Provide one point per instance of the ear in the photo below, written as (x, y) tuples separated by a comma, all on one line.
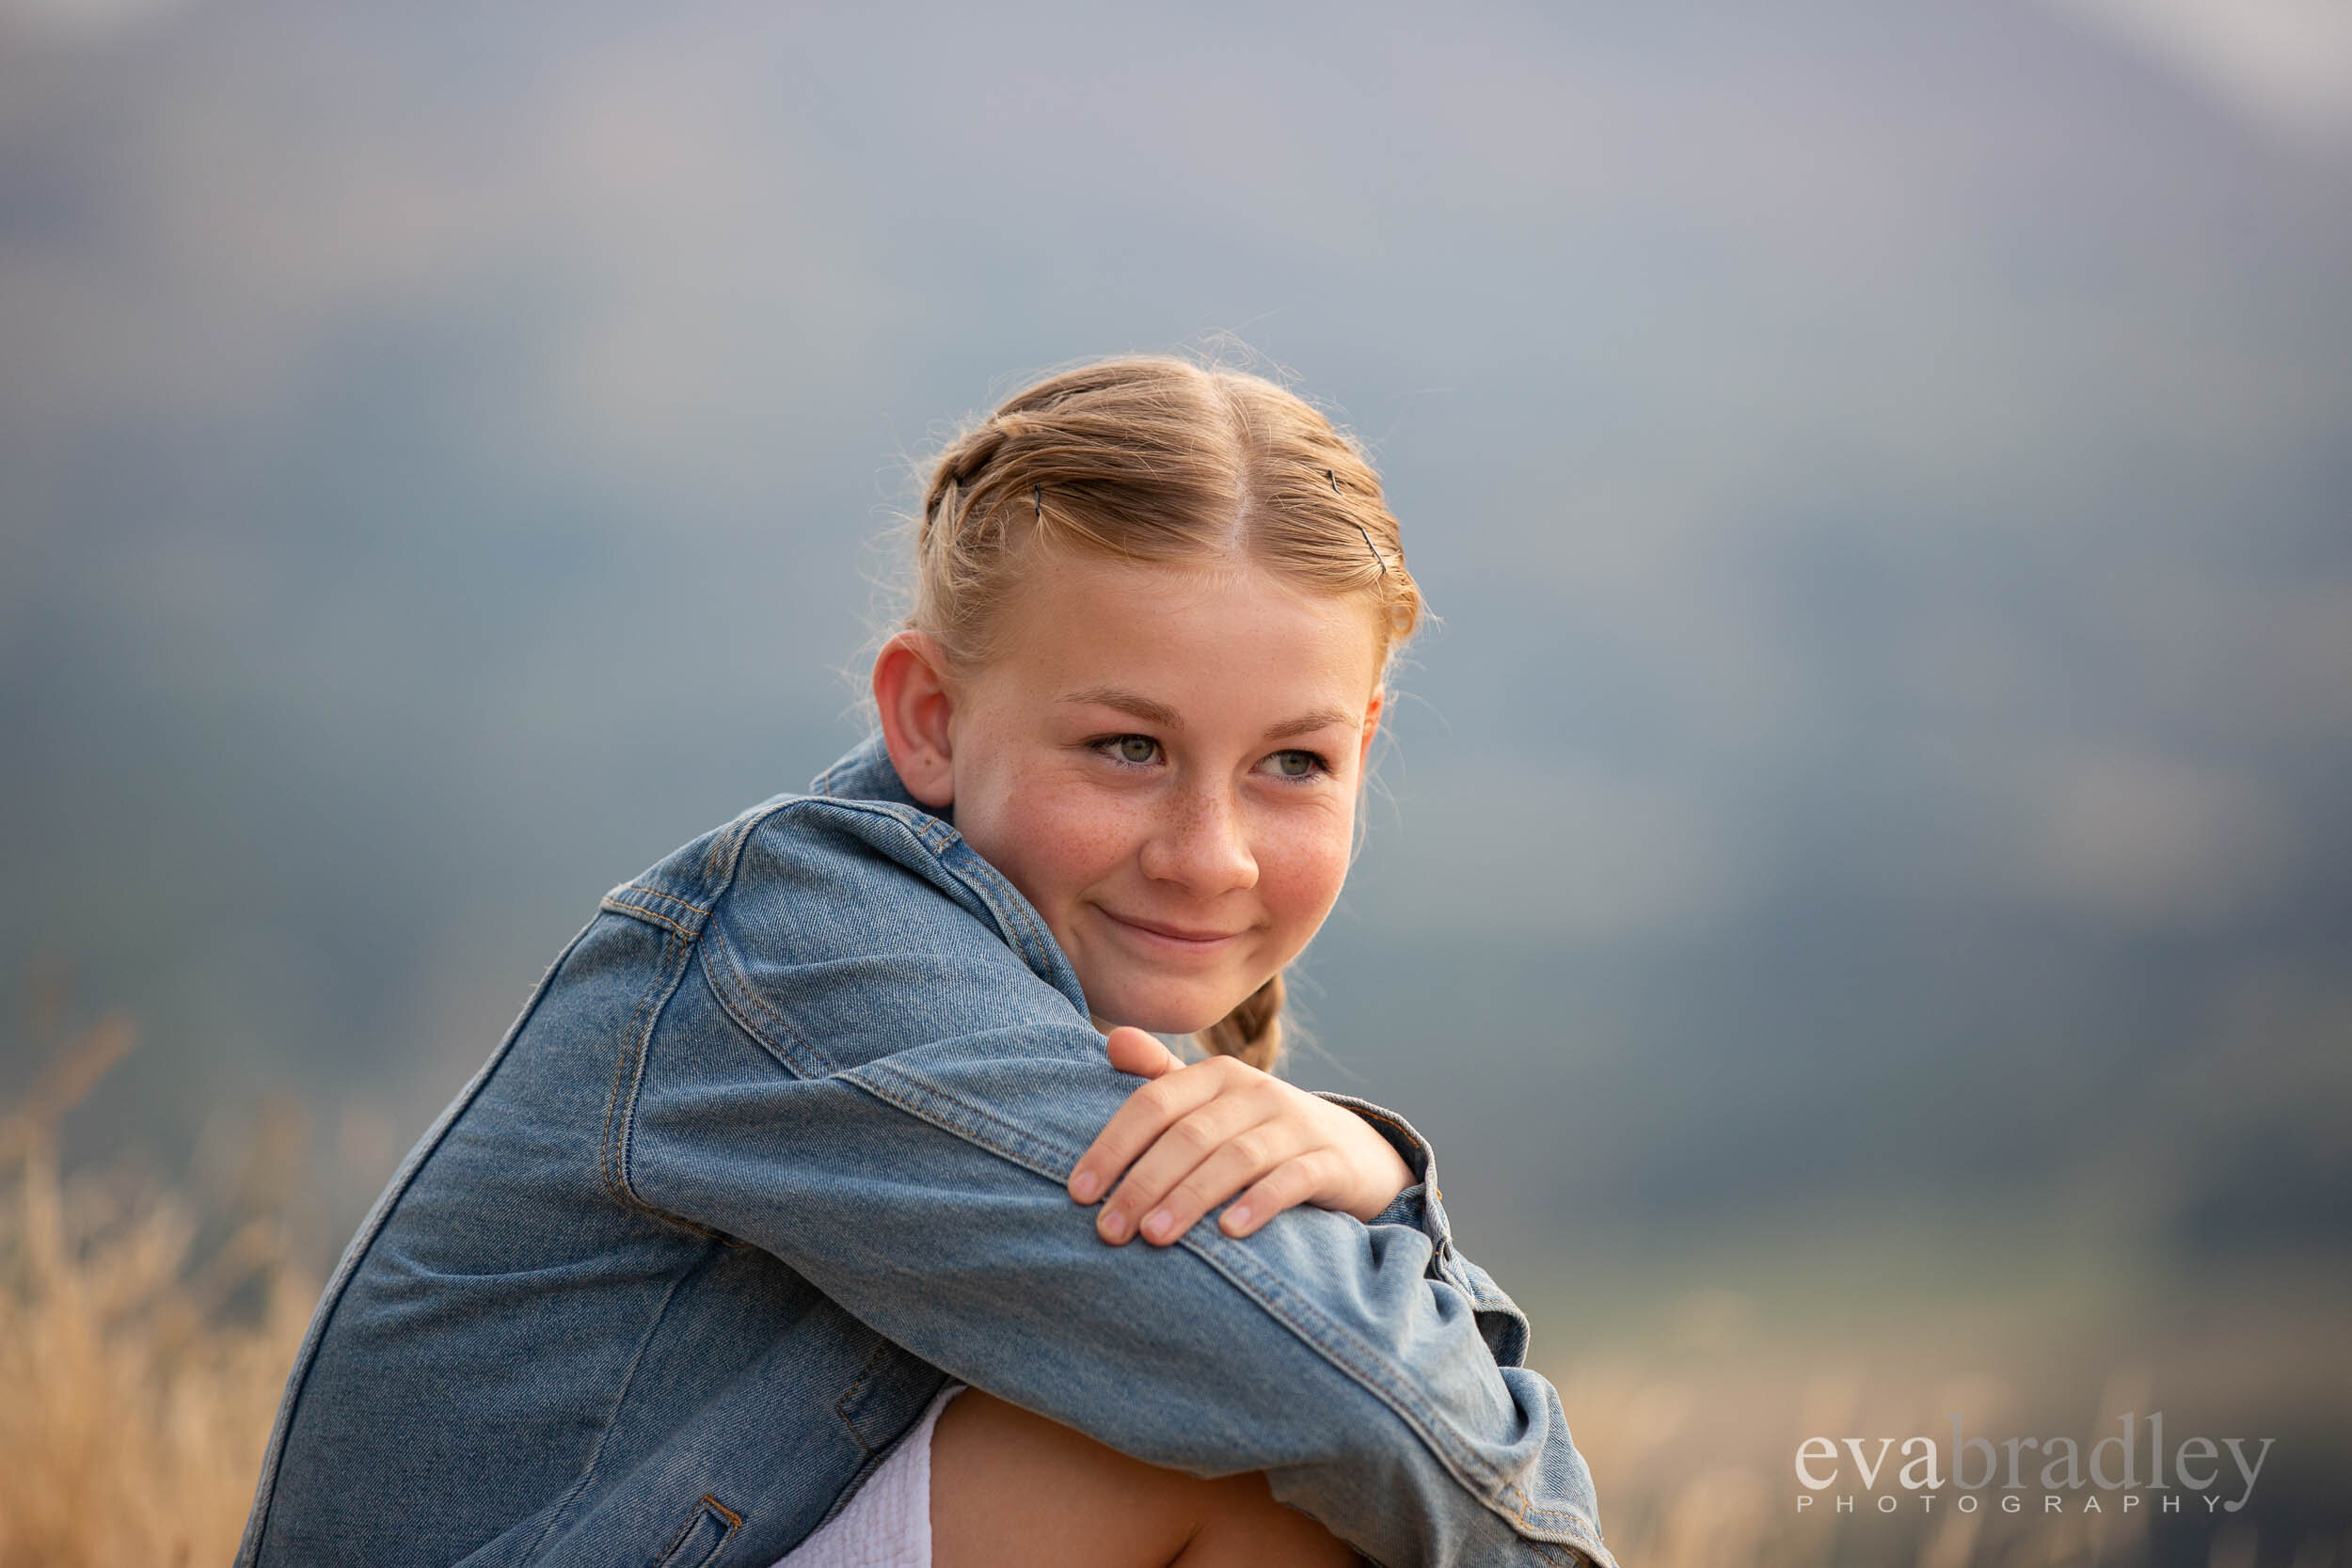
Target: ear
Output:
[(913, 695), (1372, 725)]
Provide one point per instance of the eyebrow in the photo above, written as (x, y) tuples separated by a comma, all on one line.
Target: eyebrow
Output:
[(1161, 714)]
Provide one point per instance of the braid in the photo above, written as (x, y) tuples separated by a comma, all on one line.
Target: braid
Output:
[(1252, 1031)]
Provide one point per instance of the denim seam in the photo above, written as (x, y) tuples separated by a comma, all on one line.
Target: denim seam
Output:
[(733, 991), (330, 1299), (620, 1399), (631, 1047), (653, 917), (628, 1065), (1364, 1366), (705, 1504), (865, 1375), (849, 1490), (722, 866), (1492, 1488), (725, 858), (614, 898), (947, 838), (931, 834), (1028, 939), (726, 850), (1010, 918), (1054, 1164)]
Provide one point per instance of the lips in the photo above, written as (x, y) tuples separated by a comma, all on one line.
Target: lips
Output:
[(1166, 932)]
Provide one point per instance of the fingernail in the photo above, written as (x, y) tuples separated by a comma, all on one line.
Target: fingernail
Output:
[(1114, 1227), (1159, 1224), (1085, 1186), (1237, 1217)]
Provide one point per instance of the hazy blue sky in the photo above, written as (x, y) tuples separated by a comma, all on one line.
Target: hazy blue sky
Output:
[(1885, 473)]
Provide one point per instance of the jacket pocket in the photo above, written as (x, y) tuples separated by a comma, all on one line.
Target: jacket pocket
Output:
[(698, 1540)]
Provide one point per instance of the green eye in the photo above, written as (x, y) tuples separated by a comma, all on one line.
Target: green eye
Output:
[(1136, 748), (1295, 765)]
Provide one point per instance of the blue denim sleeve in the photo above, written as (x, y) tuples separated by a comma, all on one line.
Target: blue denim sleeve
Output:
[(871, 1068), (1420, 1206)]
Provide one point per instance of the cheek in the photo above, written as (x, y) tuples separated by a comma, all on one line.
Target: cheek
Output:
[(1300, 870), (1054, 844)]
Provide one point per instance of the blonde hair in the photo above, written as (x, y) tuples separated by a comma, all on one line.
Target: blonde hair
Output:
[(1154, 458)]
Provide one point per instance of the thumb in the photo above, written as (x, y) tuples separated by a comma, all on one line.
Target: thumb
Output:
[(1134, 1050)]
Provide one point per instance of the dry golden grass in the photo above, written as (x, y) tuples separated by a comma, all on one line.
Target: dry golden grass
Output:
[(138, 1401), (141, 1381), (1692, 1436)]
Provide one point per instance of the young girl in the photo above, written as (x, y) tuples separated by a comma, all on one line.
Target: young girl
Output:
[(817, 1122)]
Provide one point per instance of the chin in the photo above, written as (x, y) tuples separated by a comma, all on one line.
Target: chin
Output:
[(1165, 1009)]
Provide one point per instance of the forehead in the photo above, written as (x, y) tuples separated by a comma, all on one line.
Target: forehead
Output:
[(1228, 634)]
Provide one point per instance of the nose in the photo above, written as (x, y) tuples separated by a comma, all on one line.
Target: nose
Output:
[(1202, 844)]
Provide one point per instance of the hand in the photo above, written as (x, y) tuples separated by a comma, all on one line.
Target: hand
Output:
[(1196, 1135)]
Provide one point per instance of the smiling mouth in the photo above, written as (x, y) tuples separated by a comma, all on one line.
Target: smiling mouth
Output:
[(1172, 933)]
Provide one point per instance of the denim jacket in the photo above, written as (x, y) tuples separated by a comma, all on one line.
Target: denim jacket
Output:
[(778, 1145)]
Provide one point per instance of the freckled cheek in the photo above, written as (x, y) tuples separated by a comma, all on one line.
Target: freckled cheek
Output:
[(1071, 844), (1299, 875)]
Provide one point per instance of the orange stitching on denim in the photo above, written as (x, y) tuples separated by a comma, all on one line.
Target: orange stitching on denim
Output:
[(1011, 907), (665, 898), (629, 1047), (656, 917), (609, 1174), (1336, 1344), (678, 1540), (1525, 1510), (1376, 1114), (948, 839), (865, 1375), (1333, 1343), (716, 943), (706, 1503), (1341, 1347), (863, 1077)]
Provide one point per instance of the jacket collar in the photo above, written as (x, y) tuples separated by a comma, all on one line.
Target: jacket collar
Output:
[(865, 773)]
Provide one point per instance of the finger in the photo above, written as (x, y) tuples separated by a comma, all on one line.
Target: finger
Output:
[(1246, 1157), (1295, 1181), (1133, 1050), (1145, 1115), (1174, 1155)]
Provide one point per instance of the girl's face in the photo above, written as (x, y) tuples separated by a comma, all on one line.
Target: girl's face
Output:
[(1164, 761)]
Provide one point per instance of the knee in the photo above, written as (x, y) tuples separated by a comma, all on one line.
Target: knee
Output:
[(1012, 1487), (1240, 1525)]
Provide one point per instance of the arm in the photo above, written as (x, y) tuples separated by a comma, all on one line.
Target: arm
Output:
[(1222, 1132), (1393, 1183), (885, 1092)]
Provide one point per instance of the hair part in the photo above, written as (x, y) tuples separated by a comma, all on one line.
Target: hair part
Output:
[(1156, 458)]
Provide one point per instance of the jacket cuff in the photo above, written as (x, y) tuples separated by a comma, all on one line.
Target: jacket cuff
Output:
[(1418, 1204), (1501, 1321)]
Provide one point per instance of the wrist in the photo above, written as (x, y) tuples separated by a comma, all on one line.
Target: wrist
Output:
[(1383, 1175)]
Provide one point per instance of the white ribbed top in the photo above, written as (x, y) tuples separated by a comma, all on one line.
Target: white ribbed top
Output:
[(888, 1524)]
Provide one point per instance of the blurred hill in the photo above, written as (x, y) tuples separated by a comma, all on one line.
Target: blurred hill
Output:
[(1883, 474)]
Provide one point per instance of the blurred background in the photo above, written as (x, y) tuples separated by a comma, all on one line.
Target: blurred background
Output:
[(1860, 895)]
